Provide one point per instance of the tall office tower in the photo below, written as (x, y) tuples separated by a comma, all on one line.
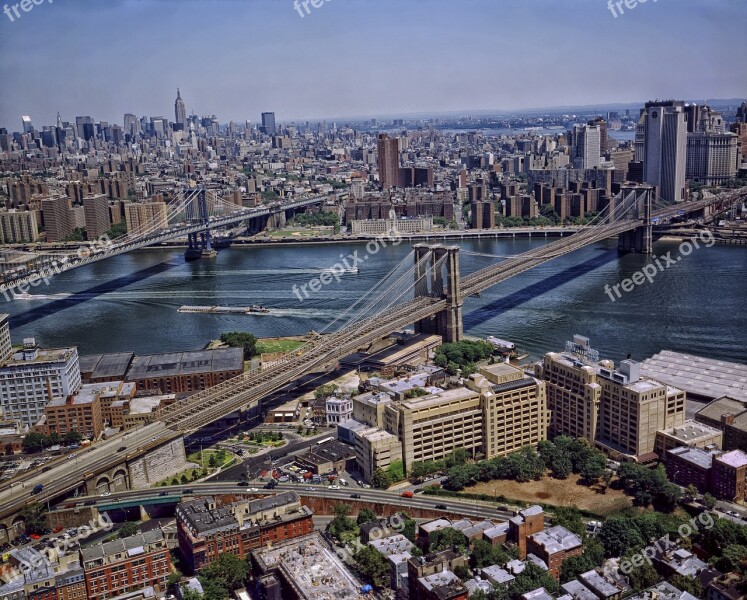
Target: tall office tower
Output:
[(268, 123), (388, 161), (180, 112), (712, 153), (586, 146), (131, 125), (742, 113), (665, 148), (85, 128), (96, 210), (159, 126), (603, 138), (28, 127), (58, 221)]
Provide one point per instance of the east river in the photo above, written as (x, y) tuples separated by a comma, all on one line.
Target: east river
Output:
[(130, 302)]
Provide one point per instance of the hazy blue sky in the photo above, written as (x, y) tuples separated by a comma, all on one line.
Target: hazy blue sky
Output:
[(236, 58)]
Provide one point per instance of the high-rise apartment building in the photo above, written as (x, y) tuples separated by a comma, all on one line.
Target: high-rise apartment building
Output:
[(388, 161), (18, 226), (145, 217), (180, 112), (32, 377), (96, 210), (665, 148), (483, 215), (5, 344), (58, 218), (268, 123)]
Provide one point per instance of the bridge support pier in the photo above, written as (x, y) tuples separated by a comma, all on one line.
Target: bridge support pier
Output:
[(437, 276), (640, 239), (199, 245)]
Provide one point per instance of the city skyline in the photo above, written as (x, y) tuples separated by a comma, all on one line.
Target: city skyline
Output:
[(357, 70)]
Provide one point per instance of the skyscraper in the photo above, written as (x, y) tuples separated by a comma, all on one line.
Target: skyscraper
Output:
[(268, 123), (388, 161), (665, 148), (180, 112), (586, 142), (28, 127), (711, 152)]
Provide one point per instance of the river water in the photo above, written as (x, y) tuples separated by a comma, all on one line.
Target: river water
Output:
[(129, 303)]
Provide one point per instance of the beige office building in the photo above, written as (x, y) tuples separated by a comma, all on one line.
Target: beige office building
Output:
[(145, 217), (430, 427), (573, 395), (369, 408), (514, 409), (618, 410), (634, 409), (375, 449), (18, 226)]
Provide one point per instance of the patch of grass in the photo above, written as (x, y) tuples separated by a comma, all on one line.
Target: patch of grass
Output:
[(268, 346)]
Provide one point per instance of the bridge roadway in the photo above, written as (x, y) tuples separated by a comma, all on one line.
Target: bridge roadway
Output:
[(95, 254), (460, 506), (233, 395)]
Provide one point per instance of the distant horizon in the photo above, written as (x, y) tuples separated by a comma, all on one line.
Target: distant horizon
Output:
[(549, 110), (358, 59)]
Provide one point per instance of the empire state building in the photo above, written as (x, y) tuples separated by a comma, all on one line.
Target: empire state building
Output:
[(180, 112)]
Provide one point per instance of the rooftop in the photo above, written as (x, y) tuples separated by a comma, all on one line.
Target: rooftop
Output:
[(186, 363), (106, 366), (556, 539), (705, 377), (131, 546), (690, 431), (735, 458), (696, 456)]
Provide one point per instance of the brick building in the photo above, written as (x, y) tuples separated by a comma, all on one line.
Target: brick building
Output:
[(728, 476), (553, 546), (524, 523), (687, 466), (126, 565), (207, 529)]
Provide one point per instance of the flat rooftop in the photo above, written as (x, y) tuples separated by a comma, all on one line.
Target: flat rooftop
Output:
[(695, 456), (735, 458), (311, 568), (186, 363), (111, 367), (704, 377), (690, 431)]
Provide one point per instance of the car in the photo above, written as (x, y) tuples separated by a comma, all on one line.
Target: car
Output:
[(355, 496), (253, 490), (163, 494), (334, 487), (104, 494), (441, 506), (57, 529), (121, 448), (309, 489), (188, 492), (242, 484), (89, 503)]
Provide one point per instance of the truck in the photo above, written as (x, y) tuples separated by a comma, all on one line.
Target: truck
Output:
[(37, 489)]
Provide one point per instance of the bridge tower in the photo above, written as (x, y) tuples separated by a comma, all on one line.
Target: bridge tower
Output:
[(640, 239), (199, 242), (441, 282)]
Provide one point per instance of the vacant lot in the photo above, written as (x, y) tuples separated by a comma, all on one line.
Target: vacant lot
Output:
[(558, 492)]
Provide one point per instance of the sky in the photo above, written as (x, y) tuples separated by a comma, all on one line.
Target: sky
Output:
[(356, 58)]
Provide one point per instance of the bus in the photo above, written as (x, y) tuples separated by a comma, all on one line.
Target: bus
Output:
[(325, 440)]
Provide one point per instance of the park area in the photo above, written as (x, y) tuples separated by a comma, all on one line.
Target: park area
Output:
[(557, 492)]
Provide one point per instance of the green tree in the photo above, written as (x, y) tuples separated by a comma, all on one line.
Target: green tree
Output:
[(212, 589), (709, 501), (641, 577), (35, 518), (688, 584), (733, 558), (395, 471), (34, 442), (380, 479), (593, 468), (128, 529), (228, 571), (410, 527), (365, 516), (531, 578), (373, 565), (691, 492), (238, 339), (212, 461), (342, 527), (184, 479), (448, 538), (617, 536), (72, 437), (325, 391), (570, 518)]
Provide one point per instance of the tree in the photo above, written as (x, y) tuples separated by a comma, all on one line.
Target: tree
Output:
[(463, 572), (593, 468), (396, 471), (238, 339), (641, 577), (709, 501), (570, 518), (184, 478), (531, 578), (128, 529), (688, 584), (342, 527), (691, 492), (373, 565), (365, 516), (228, 570), (448, 538), (561, 466), (483, 554), (380, 479), (617, 536), (212, 461), (733, 558), (34, 442), (35, 518), (72, 437), (212, 590)]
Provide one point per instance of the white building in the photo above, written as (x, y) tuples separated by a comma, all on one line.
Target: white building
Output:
[(338, 410), (31, 377)]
